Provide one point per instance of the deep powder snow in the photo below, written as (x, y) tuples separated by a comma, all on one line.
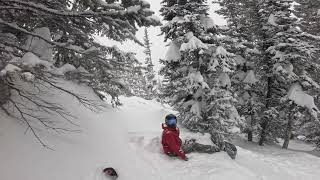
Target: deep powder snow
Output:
[(128, 139)]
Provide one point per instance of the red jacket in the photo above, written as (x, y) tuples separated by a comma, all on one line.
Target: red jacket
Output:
[(171, 142)]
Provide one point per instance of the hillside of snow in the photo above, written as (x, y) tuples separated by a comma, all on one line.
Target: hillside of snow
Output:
[(128, 139)]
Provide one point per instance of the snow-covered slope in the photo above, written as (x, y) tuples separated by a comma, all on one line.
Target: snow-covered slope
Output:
[(128, 139)]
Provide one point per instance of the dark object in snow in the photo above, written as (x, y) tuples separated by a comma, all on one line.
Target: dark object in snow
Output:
[(109, 171), (217, 139), (190, 145), (230, 149), (188, 98)]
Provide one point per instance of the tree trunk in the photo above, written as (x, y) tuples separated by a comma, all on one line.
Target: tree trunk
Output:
[(289, 129), (263, 132), (250, 136), (265, 122), (4, 92), (253, 123), (288, 134)]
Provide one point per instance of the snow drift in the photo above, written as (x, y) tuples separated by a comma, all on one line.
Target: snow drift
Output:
[(128, 139)]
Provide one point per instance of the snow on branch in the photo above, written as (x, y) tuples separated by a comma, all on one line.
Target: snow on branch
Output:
[(66, 46), (62, 45), (299, 97), (173, 53), (108, 16), (9, 69), (308, 35), (34, 7), (193, 43)]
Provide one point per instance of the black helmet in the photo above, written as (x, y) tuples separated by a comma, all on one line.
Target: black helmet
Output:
[(171, 120)]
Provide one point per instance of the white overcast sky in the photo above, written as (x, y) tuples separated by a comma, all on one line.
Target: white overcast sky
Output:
[(158, 48)]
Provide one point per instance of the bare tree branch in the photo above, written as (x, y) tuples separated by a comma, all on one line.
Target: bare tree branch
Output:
[(87, 103), (23, 118)]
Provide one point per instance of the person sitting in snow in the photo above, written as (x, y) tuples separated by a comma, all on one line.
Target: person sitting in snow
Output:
[(171, 141), (172, 144)]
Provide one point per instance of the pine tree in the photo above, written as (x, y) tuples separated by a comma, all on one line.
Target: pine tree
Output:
[(243, 30), (150, 74), (133, 77), (286, 58), (309, 15), (290, 57), (196, 68)]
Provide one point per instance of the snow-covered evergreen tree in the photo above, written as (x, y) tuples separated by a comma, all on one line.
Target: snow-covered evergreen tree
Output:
[(150, 73), (290, 58), (271, 28), (308, 13), (133, 77), (241, 35), (197, 67)]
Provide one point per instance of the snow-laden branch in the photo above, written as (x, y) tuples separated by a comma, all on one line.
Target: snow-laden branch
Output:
[(56, 44), (107, 15), (62, 45), (308, 35), (87, 13)]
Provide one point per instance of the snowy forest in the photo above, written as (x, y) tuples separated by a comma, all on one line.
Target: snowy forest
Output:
[(71, 106)]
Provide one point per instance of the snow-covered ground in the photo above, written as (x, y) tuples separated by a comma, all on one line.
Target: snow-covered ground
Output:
[(128, 139)]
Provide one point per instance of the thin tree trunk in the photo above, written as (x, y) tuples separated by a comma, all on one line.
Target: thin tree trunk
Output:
[(289, 129), (265, 122), (263, 132), (288, 134), (250, 132), (250, 136), (4, 92)]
